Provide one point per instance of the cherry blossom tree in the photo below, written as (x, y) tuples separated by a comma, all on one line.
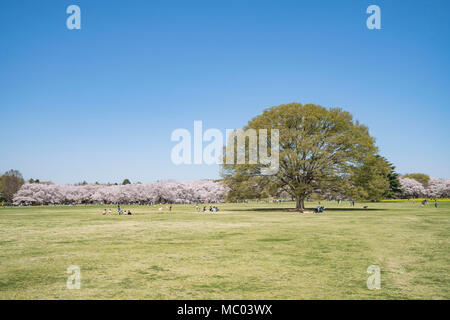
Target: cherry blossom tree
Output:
[(412, 188), (439, 188)]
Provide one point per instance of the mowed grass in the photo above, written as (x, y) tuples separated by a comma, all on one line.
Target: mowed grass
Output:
[(245, 251)]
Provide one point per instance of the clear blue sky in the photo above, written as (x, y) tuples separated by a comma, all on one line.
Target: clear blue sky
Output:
[(100, 103)]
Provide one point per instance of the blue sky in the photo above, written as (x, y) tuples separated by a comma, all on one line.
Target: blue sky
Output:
[(100, 103)]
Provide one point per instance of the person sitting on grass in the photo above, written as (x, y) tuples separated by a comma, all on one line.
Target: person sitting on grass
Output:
[(104, 212), (319, 209), (109, 211), (129, 212)]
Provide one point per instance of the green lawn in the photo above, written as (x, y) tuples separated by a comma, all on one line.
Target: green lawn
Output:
[(246, 251)]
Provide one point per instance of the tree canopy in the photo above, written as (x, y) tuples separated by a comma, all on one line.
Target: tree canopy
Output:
[(321, 151), (423, 178)]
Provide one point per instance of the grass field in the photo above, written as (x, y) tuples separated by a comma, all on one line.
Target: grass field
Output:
[(245, 251)]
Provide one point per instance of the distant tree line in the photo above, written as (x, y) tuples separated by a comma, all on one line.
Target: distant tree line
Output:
[(13, 189), (157, 192)]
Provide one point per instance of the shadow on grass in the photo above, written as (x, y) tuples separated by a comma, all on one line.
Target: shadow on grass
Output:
[(307, 209)]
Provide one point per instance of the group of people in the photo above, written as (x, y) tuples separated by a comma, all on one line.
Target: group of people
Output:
[(319, 209), (161, 208), (211, 209), (119, 210), (123, 212), (425, 201)]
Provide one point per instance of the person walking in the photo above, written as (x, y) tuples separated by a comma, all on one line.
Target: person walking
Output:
[(435, 203)]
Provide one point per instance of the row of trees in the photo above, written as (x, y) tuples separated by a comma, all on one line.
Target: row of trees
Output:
[(196, 191), (158, 192), (321, 153)]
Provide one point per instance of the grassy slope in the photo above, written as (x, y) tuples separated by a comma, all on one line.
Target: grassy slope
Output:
[(246, 251)]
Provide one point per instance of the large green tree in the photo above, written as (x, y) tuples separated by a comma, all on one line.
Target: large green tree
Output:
[(10, 183), (320, 150)]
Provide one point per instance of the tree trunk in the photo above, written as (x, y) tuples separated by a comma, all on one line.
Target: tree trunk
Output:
[(300, 204)]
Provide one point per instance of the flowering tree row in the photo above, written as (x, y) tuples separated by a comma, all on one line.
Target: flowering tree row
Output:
[(435, 188), (157, 192)]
